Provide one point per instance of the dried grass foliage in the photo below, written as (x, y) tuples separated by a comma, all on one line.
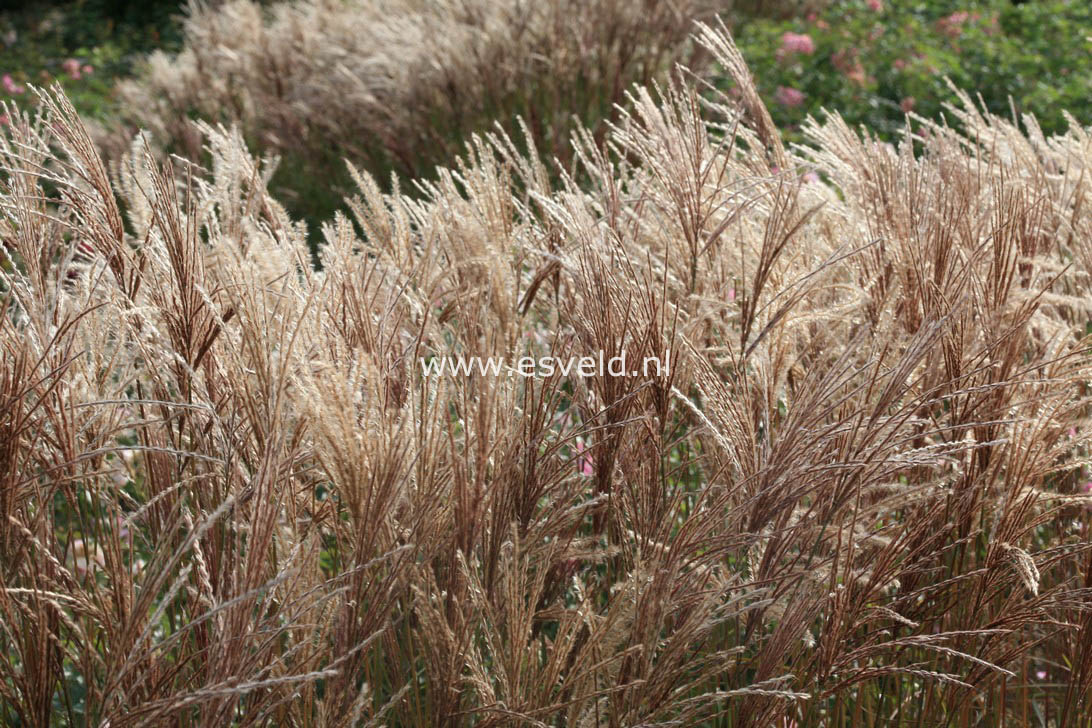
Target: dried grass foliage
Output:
[(228, 497), (399, 85)]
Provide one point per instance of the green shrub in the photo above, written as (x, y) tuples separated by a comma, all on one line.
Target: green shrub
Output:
[(85, 46), (872, 61)]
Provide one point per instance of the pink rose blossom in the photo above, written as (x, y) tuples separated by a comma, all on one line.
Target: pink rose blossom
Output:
[(952, 25), (72, 67), (875, 5), (85, 558), (841, 60), (122, 527), (847, 62), (88, 70), (796, 43), (790, 97), (584, 462), (10, 86)]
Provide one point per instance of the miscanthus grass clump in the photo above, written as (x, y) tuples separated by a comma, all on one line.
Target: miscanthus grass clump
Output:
[(398, 85), (857, 496)]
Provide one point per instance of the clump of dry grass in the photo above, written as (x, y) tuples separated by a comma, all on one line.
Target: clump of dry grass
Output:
[(228, 495), (397, 86)]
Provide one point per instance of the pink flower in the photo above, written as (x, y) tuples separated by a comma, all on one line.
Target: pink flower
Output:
[(731, 295), (952, 25), (847, 62), (790, 97), (72, 67), (122, 527), (899, 64), (907, 104), (1041, 674), (796, 43), (4, 120), (88, 70), (811, 177), (85, 558), (10, 86), (842, 59), (1087, 487), (584, 462), (875, 5)]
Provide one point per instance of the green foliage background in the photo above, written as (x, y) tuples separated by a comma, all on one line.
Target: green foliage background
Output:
[(110, 35), (1037, 53)]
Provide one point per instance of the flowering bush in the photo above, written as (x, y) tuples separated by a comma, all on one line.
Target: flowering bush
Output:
[(874, 62), (796, 43), (790, 97), (83, 46)]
